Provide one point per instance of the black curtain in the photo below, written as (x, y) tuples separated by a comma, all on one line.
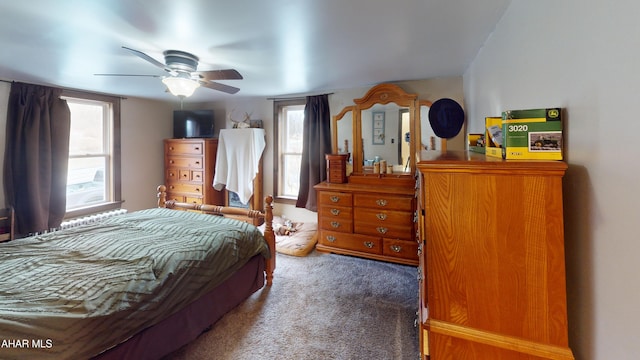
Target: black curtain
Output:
[(315, 144), (36, 156)]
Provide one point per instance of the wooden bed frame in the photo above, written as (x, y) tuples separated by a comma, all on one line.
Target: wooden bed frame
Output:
[(250, 215), (182, 327)]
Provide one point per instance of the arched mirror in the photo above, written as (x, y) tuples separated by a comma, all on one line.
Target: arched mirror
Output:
[(384, 120), (342, 134), (382, 125)]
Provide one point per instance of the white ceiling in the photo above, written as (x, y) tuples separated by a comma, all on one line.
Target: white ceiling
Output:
[(281, 47)]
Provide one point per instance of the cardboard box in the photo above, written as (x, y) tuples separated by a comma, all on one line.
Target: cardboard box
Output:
[(493, 136), (532, 134)]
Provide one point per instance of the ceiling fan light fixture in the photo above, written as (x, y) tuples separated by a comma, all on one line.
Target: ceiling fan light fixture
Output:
[(180, 86)]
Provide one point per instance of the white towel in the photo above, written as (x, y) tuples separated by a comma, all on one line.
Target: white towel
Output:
[(238, 160)]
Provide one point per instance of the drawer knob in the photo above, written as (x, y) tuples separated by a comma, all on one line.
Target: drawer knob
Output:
[(396, 248), (369, 244), (197, 147), (184, 175), (197, 189), (171, 161), (381, 216), (382, 230), (197, 162), (335, 199), (171, 148), (335, 211), (381, 202), (335, 224), (331, 238)]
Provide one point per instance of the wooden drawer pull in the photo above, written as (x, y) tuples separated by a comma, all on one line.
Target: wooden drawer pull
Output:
[(369, 244), (335, 198), (335, 224), (335, 211), (381, 202), (171, 148), (184, 175), (396, 248), (331, 238), (382, 230), (381, 216), (197, 148)]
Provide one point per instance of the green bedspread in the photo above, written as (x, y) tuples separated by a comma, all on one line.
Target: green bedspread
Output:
[(76, 292)]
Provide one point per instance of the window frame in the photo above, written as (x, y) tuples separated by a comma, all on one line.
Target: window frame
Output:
[(115, 154), (278, 107)]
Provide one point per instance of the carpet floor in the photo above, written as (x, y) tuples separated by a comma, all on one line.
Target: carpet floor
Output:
[(322, 306)]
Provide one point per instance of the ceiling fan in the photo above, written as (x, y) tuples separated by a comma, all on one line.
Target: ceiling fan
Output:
[(183, 75)]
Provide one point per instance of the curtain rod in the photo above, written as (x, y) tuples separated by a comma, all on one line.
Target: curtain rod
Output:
[(300, 97), (69, 89)]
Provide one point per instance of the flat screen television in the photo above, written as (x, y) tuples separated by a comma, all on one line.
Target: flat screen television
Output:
[(193, 124)]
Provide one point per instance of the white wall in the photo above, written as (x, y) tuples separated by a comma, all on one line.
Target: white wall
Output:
[(144, 123), (582, 56)]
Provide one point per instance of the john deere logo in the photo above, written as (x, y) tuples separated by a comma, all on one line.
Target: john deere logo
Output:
[(554, 113)]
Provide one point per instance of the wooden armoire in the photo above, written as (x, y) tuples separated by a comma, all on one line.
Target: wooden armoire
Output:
[(492, 261)]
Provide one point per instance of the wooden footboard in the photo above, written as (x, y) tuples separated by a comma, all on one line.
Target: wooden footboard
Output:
[(267, 216)]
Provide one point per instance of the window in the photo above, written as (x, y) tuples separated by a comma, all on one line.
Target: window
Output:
[(289, 123), (93, 176)]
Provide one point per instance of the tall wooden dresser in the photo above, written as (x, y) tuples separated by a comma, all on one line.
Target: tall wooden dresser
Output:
[(492, 264), (369, 220), (189, 169)]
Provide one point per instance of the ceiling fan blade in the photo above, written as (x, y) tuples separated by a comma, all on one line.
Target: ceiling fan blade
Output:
[(227, 74), (220, 87), (151, 60)]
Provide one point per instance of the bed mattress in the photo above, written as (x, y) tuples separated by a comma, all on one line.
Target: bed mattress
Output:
[(76, 292)]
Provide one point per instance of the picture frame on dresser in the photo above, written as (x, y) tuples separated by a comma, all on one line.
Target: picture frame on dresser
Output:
[(378, 128)]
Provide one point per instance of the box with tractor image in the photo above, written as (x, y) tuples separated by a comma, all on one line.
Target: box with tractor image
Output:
[(532, 134)]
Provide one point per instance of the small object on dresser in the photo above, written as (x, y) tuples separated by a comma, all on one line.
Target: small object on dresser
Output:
[(337, 168)]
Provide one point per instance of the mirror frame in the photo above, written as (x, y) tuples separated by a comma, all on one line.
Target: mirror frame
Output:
[(379, 94)]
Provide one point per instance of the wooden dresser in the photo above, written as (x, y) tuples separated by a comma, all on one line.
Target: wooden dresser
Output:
[(375, 222), (492, 264), (189, 168)]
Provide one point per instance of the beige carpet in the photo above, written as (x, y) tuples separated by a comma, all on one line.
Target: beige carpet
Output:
[(321, 306), (296, 239)]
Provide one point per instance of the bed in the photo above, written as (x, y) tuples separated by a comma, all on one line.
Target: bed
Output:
[(133, 286)]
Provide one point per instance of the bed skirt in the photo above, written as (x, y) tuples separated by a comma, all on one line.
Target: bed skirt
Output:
[(184, 326)]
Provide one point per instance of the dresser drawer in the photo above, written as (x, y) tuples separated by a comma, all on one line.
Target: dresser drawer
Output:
[(379, 217), (355, 242), (182, 147), (332, 198), (195, 189), (384, 230), (400, 249), (383, 201), (336, 224), (183, 162), (175, 197), (336, 212)]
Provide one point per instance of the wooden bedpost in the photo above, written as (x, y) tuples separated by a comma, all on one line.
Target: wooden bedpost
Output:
[(270, 236), (162, 196)]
